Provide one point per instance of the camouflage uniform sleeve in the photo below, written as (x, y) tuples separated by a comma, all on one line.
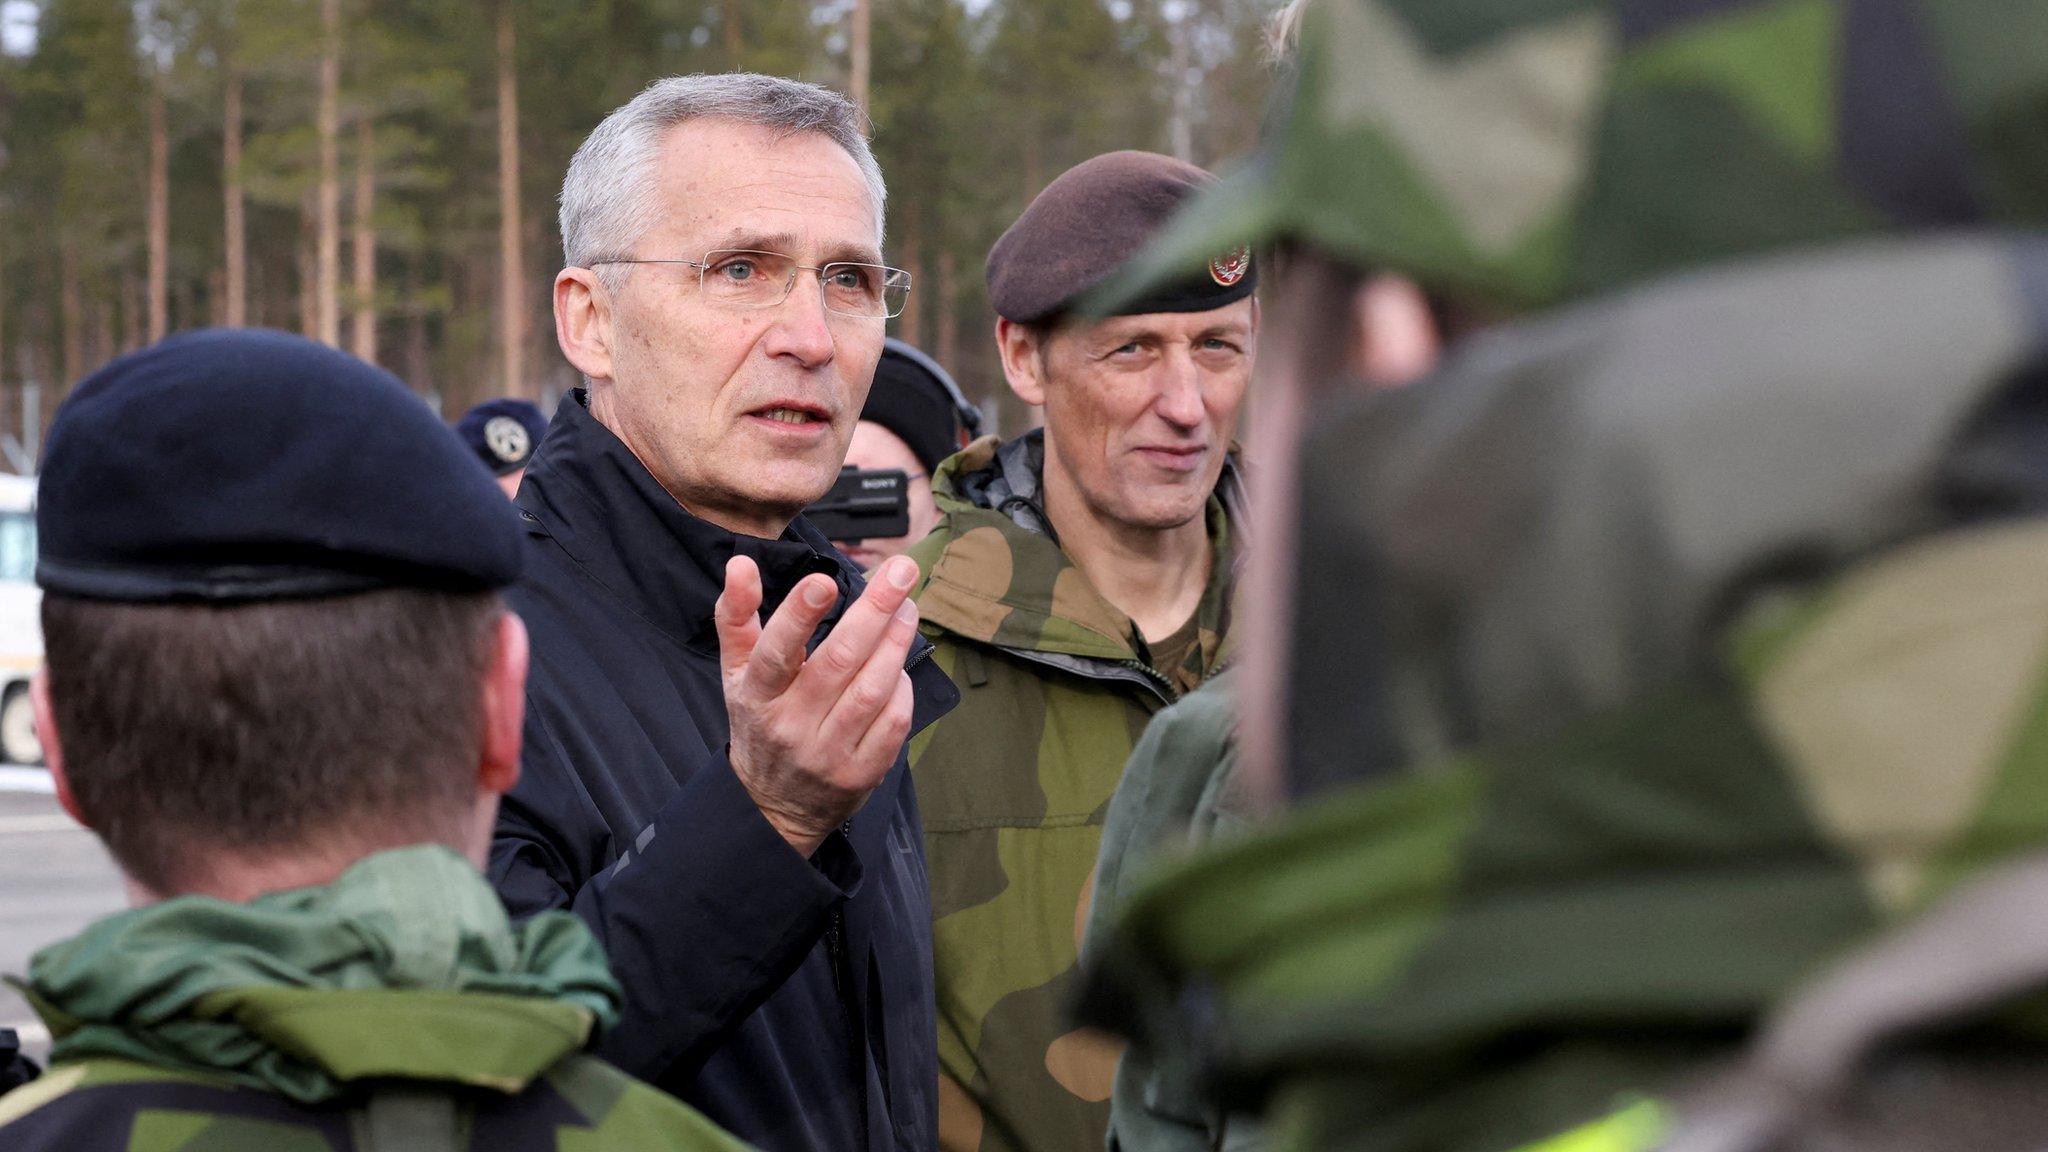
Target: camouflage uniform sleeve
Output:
[(1180, 789), (1179, 785)]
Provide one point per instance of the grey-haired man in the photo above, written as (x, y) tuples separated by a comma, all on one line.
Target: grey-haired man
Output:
[(725, 800)]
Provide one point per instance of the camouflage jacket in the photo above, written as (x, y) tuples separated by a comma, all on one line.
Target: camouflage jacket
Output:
[(1014, 785), (1180, 790), (1729, 655), (393, 1009)]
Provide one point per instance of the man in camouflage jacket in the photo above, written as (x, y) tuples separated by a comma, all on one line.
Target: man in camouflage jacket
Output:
[(1079, 581), (282, 689), (1674, 643)]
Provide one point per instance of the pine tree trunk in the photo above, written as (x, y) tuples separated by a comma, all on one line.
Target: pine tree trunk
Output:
[(135, 309), (106, 330), (71, 310), (236, 313), (159, 214), (946, 344), (910, 323), (363, 246), (857, 54), (309, 270), (512, 266), (734, 46), (4, 373), (327, 254)]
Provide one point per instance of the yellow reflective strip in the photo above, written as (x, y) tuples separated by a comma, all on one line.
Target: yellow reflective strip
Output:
[(39, 1092), (1640, 1127)]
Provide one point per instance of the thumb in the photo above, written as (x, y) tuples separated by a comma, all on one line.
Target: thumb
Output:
[(738, 616)]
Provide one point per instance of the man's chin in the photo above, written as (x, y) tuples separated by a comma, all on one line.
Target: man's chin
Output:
[(1164, 517)]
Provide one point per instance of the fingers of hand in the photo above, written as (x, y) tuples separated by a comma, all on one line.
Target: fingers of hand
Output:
[(877, 750), (864, 626), (869, 693), (778, 655), (737, 615)]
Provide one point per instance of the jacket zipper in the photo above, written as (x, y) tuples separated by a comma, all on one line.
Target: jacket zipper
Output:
[(835, 953), (1120, 671)]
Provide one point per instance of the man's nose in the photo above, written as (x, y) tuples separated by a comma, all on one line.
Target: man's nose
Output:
[(1180, 390), (802, 328)]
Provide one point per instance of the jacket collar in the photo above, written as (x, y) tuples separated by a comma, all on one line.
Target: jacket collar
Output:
[(994, 570), (410, 946), (588, 492)]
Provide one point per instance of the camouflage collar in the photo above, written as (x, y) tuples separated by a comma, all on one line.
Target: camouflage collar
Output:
[(405, 967), (994, 570)]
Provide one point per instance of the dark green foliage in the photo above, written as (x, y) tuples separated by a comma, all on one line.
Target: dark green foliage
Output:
[(976, 104)]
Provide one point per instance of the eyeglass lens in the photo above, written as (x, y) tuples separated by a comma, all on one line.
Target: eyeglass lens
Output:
[(745, 279)]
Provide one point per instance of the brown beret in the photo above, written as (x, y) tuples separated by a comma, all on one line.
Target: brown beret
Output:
[(1088, 223)]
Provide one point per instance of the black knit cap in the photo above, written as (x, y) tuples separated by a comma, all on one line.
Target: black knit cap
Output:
[(240, 465), (1091, 221), (909, 399)]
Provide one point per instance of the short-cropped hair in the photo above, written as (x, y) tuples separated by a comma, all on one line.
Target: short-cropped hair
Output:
[(264, 728), (610, 195)]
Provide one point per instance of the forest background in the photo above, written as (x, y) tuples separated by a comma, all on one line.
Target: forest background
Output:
[(382, 174)]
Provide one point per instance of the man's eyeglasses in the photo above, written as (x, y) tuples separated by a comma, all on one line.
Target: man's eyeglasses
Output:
[(737, 278)]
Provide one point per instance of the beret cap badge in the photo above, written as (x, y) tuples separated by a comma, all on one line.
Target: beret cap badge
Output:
[(507, 439), (1230, 267)]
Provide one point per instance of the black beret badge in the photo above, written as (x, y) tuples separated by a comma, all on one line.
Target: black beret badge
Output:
[(507, 439), (1231, 267)]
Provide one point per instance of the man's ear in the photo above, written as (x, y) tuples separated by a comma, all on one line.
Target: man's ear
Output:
[(1023, 360), (583, 321), (53, 746), (504, 708)]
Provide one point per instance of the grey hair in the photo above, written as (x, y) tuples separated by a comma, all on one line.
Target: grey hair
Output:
[(1283, 31), (609, 197)]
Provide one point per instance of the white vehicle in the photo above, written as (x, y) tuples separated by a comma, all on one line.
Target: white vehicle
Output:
[(21, 625)]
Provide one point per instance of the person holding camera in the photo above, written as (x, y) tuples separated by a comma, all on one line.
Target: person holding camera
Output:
[(914, 419)]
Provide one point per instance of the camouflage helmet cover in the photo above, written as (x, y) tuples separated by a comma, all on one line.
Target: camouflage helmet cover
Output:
[(1523, 152)]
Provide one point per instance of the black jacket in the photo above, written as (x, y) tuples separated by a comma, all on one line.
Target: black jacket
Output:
[(15, 1069), (756, 981)]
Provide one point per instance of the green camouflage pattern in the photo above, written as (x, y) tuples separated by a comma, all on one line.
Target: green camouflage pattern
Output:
[(579, 1104), (1180, 790), (1664, 650), (1013, 786), (286, 1022), (1519, 154)]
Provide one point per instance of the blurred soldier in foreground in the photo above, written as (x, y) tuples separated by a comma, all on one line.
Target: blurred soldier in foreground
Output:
[(284, 692), (503, 434), (914, 418), (1078, 583), (1675, 645)]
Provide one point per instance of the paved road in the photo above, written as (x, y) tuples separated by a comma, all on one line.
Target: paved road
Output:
[(54, 878)]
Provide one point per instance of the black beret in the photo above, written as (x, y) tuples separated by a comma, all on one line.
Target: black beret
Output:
[(236, 465), (502, 433), (909, 399), (1088, 224)]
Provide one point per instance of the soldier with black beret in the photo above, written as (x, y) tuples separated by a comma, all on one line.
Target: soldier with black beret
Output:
[(503, 433), (283, 690), (1079, 581)]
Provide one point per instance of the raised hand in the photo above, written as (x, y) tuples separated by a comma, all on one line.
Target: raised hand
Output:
[(813, 737)]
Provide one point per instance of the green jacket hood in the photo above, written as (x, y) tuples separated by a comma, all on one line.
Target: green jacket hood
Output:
[(405, 967), (1519, 154), (993, 570)]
